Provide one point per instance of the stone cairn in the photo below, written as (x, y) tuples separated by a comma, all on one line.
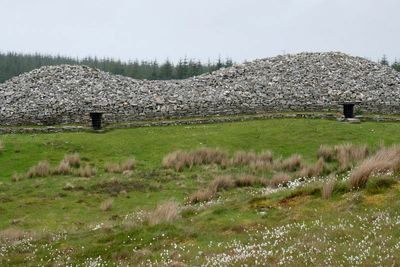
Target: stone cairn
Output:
[(300, 82)]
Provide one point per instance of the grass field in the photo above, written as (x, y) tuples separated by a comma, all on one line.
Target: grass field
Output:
[(143, 216)]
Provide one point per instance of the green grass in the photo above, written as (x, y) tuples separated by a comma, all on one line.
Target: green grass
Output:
[(64, 220), (282, 136)]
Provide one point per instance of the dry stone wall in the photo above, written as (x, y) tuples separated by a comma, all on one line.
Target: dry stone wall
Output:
[(300, 82)]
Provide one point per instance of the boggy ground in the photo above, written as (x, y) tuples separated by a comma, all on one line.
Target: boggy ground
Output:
[(197, 195)]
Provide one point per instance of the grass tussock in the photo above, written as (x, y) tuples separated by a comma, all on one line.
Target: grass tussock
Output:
[(326, 152), (222, 182), (74, 160), (112, 167), (63, 168), (261, 161), (166, 212), (126, 165), (246, 180), (385, 159), (187, 159), (280, 179), (219, 183), (42, 169), (203, 195), (16, 177), (106, 204), (313, 170), (241, 158), (13, 234), (348, 154), (328, 188), (290, 164), (86, 171)]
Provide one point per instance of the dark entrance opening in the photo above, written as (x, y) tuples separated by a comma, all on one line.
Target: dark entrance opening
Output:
[(96, 120), (348, 110)]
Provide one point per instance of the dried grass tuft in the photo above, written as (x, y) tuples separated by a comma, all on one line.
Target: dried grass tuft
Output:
[(262, 160), (106, 204), (128, 164), (313, 170), (326, 152), (201, 196), (348, 154), (112, 167), (327, 188), (86, 171), (222, 182), (290, 164), (279, 179), (386, 159), (16, 177), (42, 169), (74, 160), (202, 156), (63, 168), (165, 212), (13, 234), (245, 180)]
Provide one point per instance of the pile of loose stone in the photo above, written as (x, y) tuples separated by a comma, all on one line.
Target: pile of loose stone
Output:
[(300, 82)]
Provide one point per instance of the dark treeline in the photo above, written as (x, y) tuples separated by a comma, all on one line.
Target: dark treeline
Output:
[(13, 64)]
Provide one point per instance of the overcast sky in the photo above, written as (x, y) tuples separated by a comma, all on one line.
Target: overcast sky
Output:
[(201, 29)]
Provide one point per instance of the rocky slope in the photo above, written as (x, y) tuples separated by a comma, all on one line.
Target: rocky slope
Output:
[(299, 82)]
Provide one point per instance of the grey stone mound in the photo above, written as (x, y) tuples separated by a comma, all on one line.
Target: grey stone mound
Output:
[(299, 82)]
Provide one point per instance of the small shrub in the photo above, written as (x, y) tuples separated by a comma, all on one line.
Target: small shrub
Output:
[(328, 188), (106, 204), (377, 184), (74, 160), (86, 171), (280, 179), (164, 213), (42, 169), (201, 196), (245, 180)]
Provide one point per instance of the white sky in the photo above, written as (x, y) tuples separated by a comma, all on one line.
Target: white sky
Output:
[(202, 29)]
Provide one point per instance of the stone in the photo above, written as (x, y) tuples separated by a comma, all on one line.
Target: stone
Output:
[(298, 82)]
